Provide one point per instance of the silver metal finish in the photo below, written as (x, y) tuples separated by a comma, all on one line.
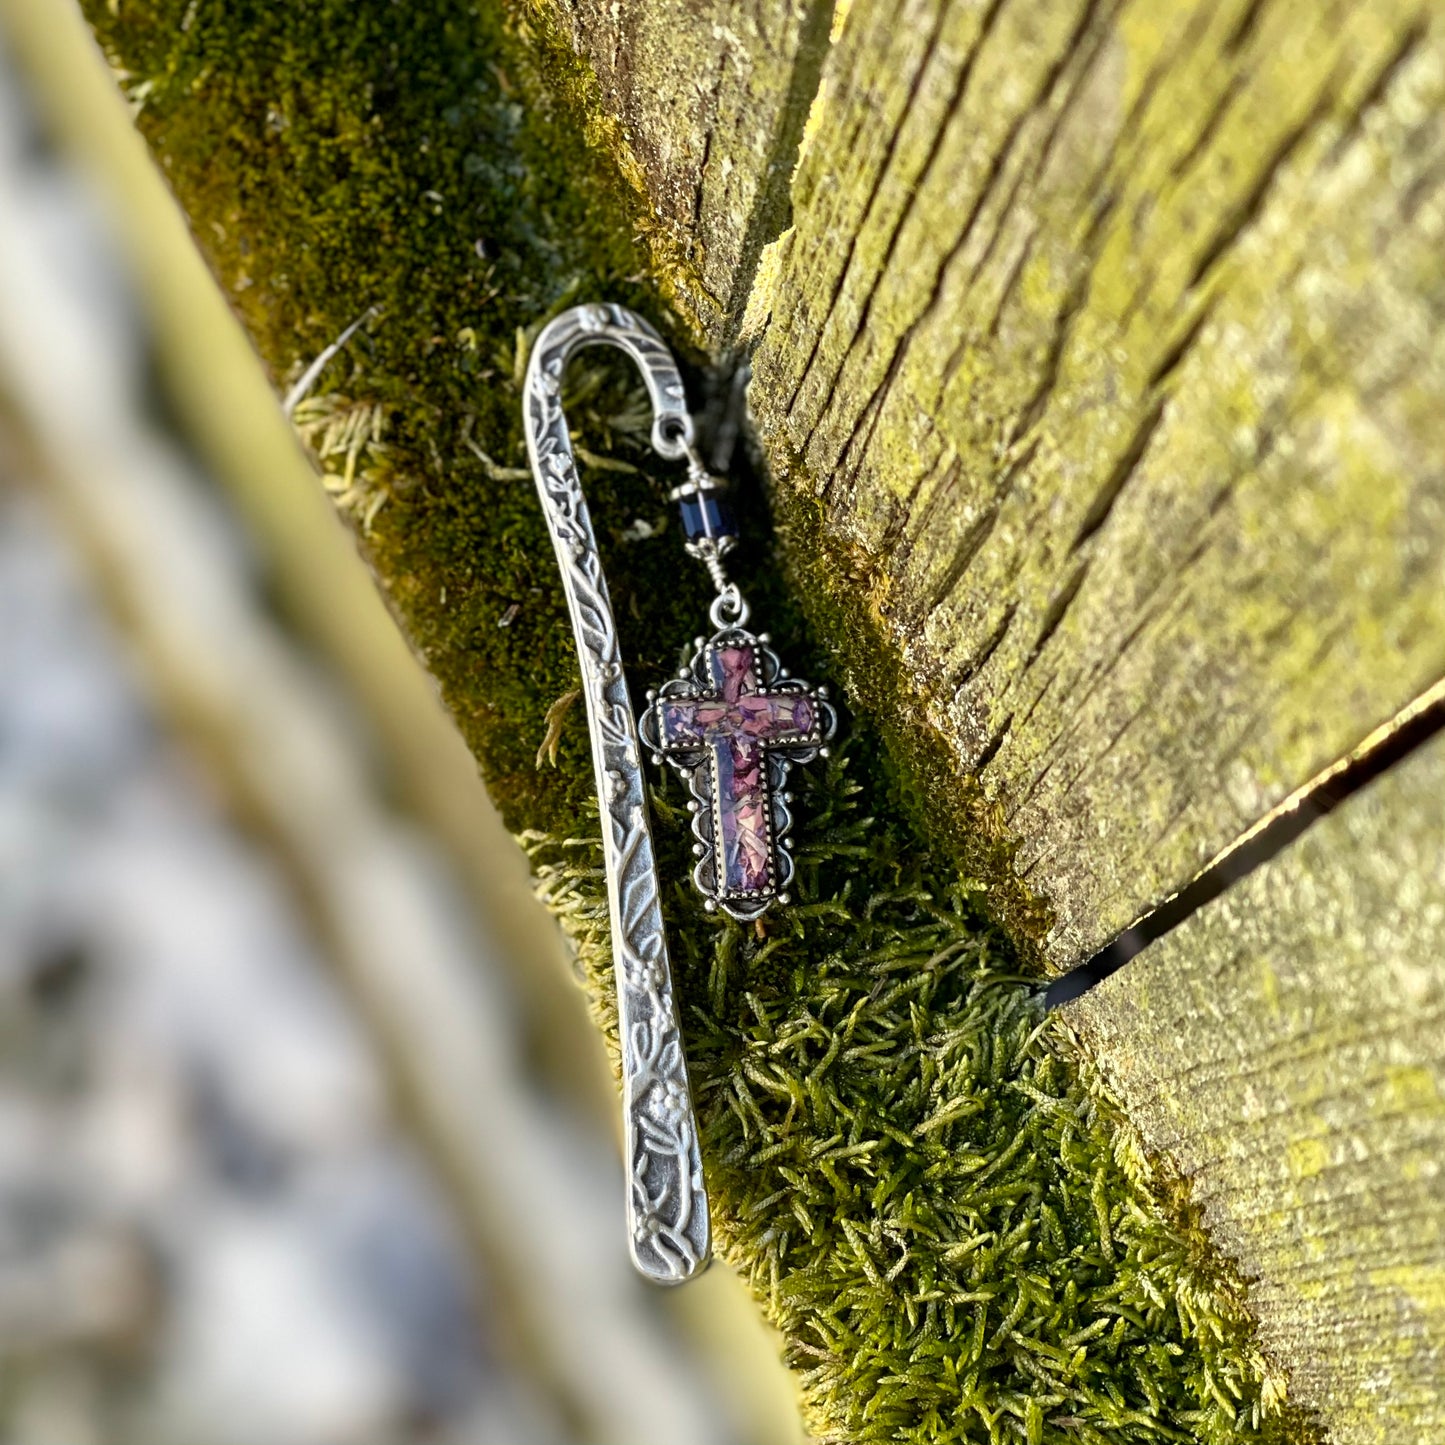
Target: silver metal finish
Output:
[(667, 1208), (710, 551)]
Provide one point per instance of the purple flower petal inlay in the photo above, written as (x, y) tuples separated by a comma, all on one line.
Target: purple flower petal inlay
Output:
[(734, 671), (737, 724), (742, 815)]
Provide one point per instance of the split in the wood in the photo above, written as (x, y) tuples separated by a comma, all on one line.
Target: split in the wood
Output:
[(1389, 745)]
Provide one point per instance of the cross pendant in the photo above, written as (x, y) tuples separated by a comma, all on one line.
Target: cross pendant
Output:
[(733, 723)]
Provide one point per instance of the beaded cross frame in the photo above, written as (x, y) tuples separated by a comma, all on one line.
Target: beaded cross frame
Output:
[(733, 723)]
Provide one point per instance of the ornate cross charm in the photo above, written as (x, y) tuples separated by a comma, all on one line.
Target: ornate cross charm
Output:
[(732, 724)]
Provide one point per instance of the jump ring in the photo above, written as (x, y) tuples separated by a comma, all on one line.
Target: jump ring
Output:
[(728, 608)]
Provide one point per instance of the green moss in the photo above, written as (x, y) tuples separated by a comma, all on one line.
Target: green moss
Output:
[(338, 159), (943, 1214), (938, 1208)]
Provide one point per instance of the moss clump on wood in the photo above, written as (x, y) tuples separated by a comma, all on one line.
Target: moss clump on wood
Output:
[(944, 1216), (940, 1212), (400, 163)]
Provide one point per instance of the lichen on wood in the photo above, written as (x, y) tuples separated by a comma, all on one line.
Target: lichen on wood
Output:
[(1106, 352), (1308, 1112), (705, 106)]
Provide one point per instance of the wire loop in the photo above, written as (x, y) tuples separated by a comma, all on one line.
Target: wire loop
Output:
[(728, 608)]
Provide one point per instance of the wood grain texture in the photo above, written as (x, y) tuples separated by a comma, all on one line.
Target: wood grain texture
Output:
[(704, 107), (1284, 1050), (1107, 347)]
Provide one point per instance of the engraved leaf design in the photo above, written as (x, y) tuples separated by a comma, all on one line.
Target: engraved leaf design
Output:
[(669, 1215)]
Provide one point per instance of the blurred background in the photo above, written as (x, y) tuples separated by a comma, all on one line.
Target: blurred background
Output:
[(305, 1137)]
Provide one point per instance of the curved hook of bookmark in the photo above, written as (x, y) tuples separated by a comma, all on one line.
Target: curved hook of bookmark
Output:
[(667, 1207)]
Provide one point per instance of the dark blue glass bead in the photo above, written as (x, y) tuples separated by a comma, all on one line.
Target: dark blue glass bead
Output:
[(706, 514)]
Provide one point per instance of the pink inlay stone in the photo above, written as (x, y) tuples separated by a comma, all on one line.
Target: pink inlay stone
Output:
[(738, 724), (733, 671)]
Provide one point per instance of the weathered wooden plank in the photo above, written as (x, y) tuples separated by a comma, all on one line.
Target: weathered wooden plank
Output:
[(705, 105), (1107, 345), (1285, 1051)]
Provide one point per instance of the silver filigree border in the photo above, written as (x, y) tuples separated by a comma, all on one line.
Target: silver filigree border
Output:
[(668, 1226), (699, 771)]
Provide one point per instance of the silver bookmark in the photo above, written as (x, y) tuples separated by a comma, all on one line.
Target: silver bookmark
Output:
[(732, 723)]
